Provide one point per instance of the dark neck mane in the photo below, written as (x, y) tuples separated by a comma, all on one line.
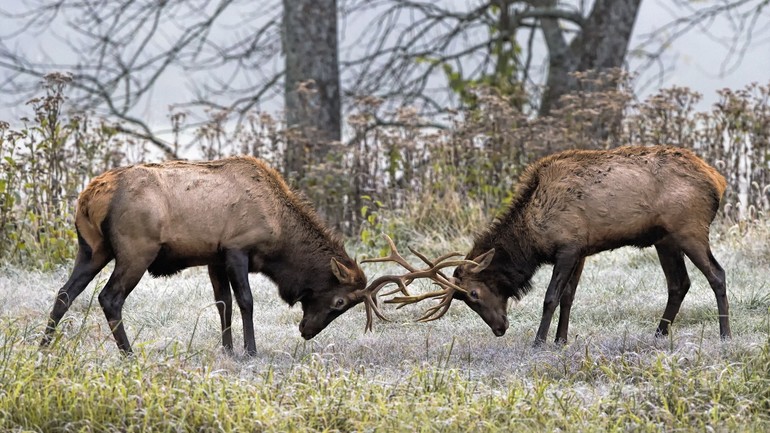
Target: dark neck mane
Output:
[(307, 245), (516, 258), (304, 259)]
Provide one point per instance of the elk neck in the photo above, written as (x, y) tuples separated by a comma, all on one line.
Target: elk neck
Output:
[(516, 258), (303, 260)]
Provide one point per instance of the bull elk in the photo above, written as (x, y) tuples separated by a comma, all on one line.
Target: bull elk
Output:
[(235, 216), (576, 203)]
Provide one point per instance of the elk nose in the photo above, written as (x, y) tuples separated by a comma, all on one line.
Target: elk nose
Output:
[(306, 333), (500, 329)]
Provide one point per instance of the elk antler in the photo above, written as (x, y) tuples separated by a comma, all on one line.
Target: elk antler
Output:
[(433, 272)]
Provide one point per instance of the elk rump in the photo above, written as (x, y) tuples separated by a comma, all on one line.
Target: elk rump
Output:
[(576, 203), (234, 215)]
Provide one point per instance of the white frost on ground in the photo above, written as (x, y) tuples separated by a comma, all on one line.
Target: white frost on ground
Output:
[(618, 304)]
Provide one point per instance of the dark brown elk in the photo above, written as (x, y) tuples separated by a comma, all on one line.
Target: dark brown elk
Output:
[(235, 216), (577, 203)]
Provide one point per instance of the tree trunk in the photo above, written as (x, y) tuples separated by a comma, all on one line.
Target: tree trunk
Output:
[(312, 84), (601, 44)]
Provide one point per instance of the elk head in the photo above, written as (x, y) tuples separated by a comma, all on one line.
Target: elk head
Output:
[(321, 307), (482, 296)]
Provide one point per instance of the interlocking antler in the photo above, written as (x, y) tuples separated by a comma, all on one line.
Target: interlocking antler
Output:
[(433, 272)]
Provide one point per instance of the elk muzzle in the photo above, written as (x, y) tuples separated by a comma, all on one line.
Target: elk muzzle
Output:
[(308, 329), (500, 328), (491, 307), (496, 320)]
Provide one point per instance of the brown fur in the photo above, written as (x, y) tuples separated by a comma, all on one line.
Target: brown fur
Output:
[(580, 202), (235, 216)]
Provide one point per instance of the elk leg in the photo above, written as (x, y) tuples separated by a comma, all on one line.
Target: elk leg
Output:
[(123, 280), (87, 265), (224, 302), (677, 282), (237, 267), (563, 270), (700, 254), (565, 305)]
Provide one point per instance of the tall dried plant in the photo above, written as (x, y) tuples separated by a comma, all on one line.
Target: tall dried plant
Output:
[(407, 175), (43, 166)]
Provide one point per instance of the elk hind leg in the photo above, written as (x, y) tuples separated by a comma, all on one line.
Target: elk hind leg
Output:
[(677, 282), (124, 278), (88, 263), (699, 251)]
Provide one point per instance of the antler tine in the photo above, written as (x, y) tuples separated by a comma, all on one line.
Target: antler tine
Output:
[(393, 256), (437, 311), (371, 307), (433, 272), (396, 290), (440, 259), (412, 299), (446, 296), (370, 294), (384, 280)]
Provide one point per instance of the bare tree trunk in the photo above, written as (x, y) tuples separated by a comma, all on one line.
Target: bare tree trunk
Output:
[(601, 44), (312, 83)]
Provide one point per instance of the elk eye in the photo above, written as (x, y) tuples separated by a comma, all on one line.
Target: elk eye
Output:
[(474, 294), (340, 302)]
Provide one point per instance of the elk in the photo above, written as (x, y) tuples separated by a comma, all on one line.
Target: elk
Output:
[(576, 203), (236, 216)]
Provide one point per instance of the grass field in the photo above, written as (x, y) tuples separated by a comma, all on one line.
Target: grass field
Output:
[(448, 375)]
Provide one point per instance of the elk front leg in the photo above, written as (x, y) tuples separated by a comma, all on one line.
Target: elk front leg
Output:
[(565, 305), (224, 301), (563, 270)]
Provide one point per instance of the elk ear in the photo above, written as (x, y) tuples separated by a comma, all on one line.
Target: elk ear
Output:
[(344, 274), (483, 261)]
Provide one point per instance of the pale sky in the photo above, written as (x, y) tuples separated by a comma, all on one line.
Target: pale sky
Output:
[(695, 60), (698, 60)]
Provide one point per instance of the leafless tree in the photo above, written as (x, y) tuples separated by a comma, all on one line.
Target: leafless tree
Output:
[(410, 42), (746, 21), (120, 52), (412, 47), (312, 82)]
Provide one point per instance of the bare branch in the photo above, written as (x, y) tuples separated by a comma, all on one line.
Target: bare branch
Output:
[(118, 71), (742, 16)]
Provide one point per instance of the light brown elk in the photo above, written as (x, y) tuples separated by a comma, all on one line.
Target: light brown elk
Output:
[(577, 203), (235, 216)]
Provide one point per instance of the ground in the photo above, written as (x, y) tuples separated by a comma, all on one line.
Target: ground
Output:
[(612, 375)]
